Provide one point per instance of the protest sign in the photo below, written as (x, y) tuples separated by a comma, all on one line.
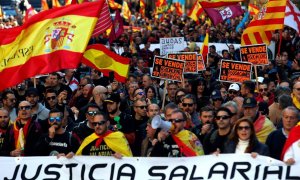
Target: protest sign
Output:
[(172, 44), (255, 54), (190, 59), (235, 71), (201, 64), (224, 166), (169, 69)]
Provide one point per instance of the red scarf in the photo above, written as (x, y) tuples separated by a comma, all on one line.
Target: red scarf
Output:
[(293, 137), (184, 149), (16, 129), (101, 137)]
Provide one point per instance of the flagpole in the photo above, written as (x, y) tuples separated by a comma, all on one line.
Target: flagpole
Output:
[(280, 41), (164, 96)]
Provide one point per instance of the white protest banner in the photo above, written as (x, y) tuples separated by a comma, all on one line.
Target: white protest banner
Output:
[(172, 44), (229, 166)]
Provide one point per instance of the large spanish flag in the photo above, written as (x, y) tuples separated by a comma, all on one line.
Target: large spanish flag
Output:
[(49, 41), (104, 60), (269, 18), (204, 48)]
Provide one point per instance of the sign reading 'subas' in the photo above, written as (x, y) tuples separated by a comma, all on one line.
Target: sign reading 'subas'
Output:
[(49, 41), (235, 71)]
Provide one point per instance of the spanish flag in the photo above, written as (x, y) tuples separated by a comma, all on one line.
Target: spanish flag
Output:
[(104, 60), (204, 48), (196, 11), (253, 10), (269, 18), (113, 5), (49, 41), (126, 11)]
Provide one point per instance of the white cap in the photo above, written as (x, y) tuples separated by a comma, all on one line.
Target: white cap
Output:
[(234, 86)]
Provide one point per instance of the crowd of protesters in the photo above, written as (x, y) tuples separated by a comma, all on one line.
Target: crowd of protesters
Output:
[(79, 111)]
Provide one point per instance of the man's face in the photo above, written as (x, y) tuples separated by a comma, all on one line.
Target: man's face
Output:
[(188, 105), (83, 82), (86, 90), (263, 89), (55, 119), (172, 90), (33, 99), (223, 120), (153, 110), (178, 122), (168, 113), (146, 81), (207, 117), (100, 124), (4, 119), (150, 131), (51, 99), (91, 112), (250, 111), (140, 108), (53, 79), (24, 110), (132, 87), (244, 90), (289, 119), (10, 101), (112, 107)]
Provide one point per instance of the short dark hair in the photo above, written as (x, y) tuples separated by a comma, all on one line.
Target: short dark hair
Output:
[(207, 109), (170, 105), (182, 112), (249, 85), (55, 110), (226, 110), (92, 105), (5, 93)]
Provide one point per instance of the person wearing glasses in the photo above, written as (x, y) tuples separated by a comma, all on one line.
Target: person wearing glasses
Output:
[(4, 126), (178, 142), (215, 140), (264, 95), (21, 137), (57, 141), (188, 103), (243, 140), (104, 142), (233, 91), (86, 128), (9, 102), (263, 126)]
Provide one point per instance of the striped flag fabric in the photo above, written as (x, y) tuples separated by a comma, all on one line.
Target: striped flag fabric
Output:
[(104, 21), (104, 60), (204, 48), (42, 43), (270, 18), (113, 5), (292, 16), (126, 11), (253, 10), (196, 11), (142, 8)]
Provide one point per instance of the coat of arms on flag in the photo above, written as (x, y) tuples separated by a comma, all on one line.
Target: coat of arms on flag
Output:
[(57, 34), (226, 13)]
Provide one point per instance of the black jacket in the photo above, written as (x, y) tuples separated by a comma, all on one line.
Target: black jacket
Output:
[(259, 148)]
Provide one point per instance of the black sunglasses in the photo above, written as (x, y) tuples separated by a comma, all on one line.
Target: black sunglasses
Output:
[(142, 107), (100, 123), (176, 120), (187, 104), (51, 97), (92, 113), (232, 92), (222, 117), (243, 127)]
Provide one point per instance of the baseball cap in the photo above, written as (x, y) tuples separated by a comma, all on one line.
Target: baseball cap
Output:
[(113, 98), (32, 91), (250, 102), (216, 94), (234, 86)]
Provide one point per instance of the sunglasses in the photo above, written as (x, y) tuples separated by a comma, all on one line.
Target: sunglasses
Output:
[(51, 97), (100, 123), (81, 85), (298, 89), (142, 107), (92, 113), (140, 93), (232, 92), (25, 107), (176, 120), (243, 127), (222, 117), (4, 117), (218, 99), (265, 89), (56, 119), (187, 104)]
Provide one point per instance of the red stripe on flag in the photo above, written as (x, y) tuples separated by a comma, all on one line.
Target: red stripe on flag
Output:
[(258, 38), (269, 35), (39, 65), (246, 39), (266, 22), (276, 9), (104, 22)]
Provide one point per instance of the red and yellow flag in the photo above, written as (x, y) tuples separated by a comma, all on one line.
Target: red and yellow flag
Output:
[(253, 10), (1, 12), (142, 7), (54, 4), (196, 11), (104, 60), (269, 18), (113, 5), (49, 41), (126, 11), (218, 3), (204, 48)]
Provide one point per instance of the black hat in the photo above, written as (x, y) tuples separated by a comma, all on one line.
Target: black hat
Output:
[(216, 94), (32, 91), (113, 98), (249, 102)]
